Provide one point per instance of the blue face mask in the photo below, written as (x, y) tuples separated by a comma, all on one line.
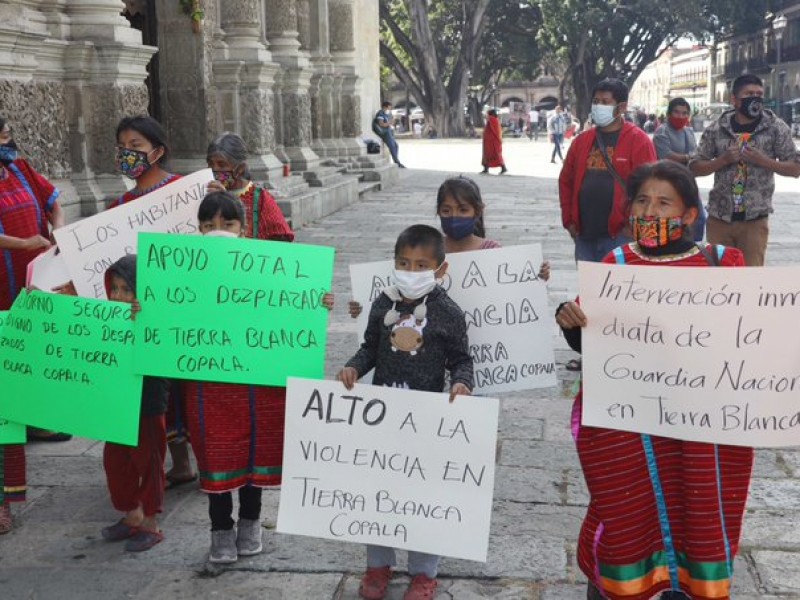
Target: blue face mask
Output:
[(8, 152), (457, 228)]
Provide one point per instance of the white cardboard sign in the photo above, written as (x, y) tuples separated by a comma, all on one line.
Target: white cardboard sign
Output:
[(505, 304), (47, 271), (703, 354), (93, 244), (391, 467)]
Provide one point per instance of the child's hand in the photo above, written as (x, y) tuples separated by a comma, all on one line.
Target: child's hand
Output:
[(135, 309), (459, 389), (68, 289), (354, 308), (327, 301), (348, 376), (571, 315), (544, 271)]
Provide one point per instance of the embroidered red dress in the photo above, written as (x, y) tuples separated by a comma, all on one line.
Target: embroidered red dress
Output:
[(237, 430), (664, 513), (26, 198)]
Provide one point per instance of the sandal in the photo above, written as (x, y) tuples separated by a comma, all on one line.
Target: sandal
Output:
[(5, 518), (119, 531), (43, 435), (173, 482), (574, 365), (143, 540)]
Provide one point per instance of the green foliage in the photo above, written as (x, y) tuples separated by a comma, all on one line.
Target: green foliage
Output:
[(192, 9)]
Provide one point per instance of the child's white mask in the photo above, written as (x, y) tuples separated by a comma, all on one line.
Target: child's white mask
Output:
[(221, 233), (414, 284)]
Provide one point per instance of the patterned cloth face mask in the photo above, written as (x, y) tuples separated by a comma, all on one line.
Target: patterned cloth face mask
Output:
[(226, 178), (133, 163), (655, 232)]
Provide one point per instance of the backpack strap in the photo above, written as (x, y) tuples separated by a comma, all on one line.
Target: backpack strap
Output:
[(714, 256)]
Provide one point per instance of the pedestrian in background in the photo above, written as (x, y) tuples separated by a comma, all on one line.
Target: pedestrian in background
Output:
[(383, 127), (493, 144), (556, 127), (744, 149), (675, 140)]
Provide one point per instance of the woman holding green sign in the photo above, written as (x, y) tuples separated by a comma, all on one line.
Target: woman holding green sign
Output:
[(28, 208)]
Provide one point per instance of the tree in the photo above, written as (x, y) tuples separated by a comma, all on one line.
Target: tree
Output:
[(431, 47), (619, 38)]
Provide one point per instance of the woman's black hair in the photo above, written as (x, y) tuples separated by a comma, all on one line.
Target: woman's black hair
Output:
[(679, 176), (221, 203), (463, 189), (233, 148), (676, 102), (150, 129)]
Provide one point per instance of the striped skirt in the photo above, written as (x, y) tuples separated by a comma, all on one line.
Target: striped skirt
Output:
[(12, 473), (663, 514), (236, 433)]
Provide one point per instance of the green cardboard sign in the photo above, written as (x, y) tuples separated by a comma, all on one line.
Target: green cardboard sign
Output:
[(231, 309), (10, 432), (66, 364)]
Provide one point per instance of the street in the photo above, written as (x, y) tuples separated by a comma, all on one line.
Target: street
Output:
[(55, 549)]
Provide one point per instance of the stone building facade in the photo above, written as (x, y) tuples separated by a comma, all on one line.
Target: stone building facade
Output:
[(298, 79)]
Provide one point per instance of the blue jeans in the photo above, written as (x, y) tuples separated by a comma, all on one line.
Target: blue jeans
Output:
[(595, 250), (558, 139), (419, 563), (391, 144)]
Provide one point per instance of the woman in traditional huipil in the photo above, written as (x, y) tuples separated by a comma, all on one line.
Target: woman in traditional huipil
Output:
[(28, 205), (665, 515)]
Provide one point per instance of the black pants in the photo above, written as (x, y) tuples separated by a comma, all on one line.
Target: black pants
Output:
[(220, 507), (592, 593)]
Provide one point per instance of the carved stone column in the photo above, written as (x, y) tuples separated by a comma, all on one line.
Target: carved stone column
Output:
[(80, 68), (188, 94), (244, 74), (346, 122), (323, 115), (295, 81)]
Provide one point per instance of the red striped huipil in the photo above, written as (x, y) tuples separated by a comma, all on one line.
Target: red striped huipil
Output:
[(26, 199), (237, 430), (702, 489)]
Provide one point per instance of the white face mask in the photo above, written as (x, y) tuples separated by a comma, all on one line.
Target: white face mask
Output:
[(414, 284), (221, 233), (603, 114)]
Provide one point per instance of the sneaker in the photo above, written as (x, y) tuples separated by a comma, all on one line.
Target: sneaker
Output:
[(375, 583), (223, 547), (248, 537), (421, 588)]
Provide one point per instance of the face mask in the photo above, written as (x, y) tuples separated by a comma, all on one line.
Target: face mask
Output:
[(414, 284), (133, 163), (221, 233), (678, 122), (603, 115), (752, 106), (226, 178), (654, 232), (457, 228), (8, 152)]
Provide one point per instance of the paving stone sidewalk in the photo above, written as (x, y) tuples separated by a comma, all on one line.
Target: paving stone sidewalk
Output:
[(56, 550)]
